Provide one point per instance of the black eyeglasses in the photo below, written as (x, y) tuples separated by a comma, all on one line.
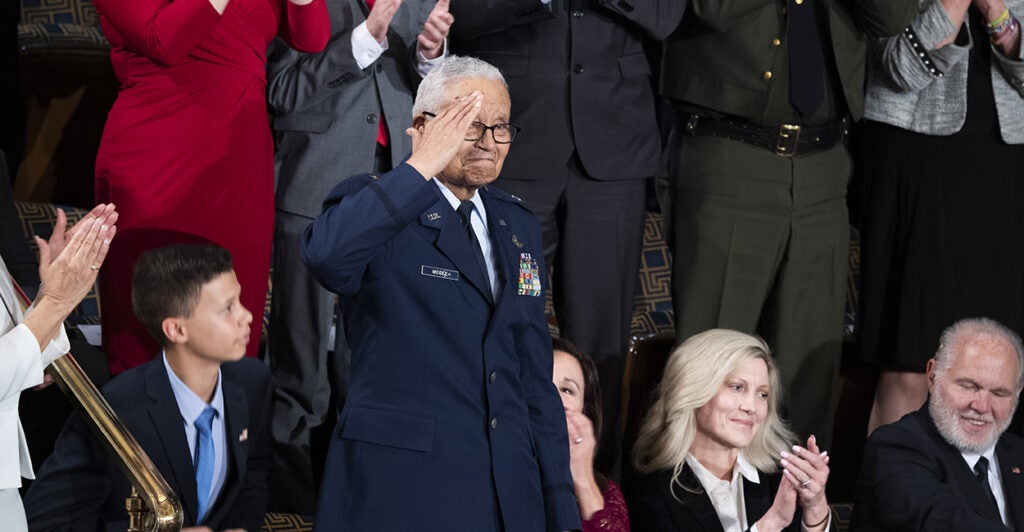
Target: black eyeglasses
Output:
[(501, 133)]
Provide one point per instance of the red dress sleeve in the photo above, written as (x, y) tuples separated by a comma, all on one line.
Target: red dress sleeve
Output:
[(164, 31), (306, 28), (614, 517)]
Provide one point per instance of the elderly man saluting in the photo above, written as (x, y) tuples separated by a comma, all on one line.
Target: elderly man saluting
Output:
[(951, 465), (451, 421)]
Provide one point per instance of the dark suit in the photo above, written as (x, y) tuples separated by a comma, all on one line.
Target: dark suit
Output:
[(451, 420), (912, 479), (653, 507), (80, 487), (580, 86), (761, 241), (326, 115)]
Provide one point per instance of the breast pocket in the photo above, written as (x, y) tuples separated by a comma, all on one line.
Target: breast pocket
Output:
[(391, 428)]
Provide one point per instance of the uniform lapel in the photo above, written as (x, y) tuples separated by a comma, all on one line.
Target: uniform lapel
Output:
[(452, 241), (166, 419), (504, 254)]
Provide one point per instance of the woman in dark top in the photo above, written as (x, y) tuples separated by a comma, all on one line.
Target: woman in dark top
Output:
[(942, 161), (709, 446)]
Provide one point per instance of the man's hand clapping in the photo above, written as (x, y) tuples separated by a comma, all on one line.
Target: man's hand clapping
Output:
[(435, 31)]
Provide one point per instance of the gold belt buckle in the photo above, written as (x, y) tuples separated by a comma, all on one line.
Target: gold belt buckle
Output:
[(789, 136)]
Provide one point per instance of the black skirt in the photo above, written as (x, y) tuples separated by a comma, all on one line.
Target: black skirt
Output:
[(942, 230)]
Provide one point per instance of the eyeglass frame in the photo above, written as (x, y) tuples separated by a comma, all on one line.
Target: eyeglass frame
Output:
[(514, 129)]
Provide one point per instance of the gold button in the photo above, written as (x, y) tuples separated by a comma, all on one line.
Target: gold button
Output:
[(767, 75), (776, 42)]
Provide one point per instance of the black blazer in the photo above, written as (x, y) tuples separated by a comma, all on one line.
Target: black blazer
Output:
[(79, 488), (652, 507), (913, 480)]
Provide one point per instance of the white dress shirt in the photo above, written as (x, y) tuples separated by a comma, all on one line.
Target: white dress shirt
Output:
[(995, 480), (727, 495)]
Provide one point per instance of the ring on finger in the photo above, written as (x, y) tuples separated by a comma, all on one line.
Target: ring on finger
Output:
[(804, 483), (93, 267), (578, 440)]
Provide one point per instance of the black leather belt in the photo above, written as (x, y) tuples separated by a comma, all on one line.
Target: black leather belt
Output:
[(787, 140)]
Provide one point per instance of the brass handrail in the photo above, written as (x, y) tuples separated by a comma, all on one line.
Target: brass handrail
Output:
[(153, 505)]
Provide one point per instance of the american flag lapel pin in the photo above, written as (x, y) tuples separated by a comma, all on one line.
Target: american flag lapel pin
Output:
[(244, 436), (1015, 470)]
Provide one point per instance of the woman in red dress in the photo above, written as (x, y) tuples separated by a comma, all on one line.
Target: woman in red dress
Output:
[(187, 154)]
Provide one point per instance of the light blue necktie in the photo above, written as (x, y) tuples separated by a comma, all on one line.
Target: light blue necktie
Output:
[(204, 459)]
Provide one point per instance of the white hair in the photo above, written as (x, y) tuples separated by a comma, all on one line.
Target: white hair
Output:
[(431, 94)]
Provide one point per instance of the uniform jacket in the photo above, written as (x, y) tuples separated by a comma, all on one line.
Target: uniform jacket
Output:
[(451, 419), (578, 77), (913, 480), (80, 487), (327, 109), (718, 56)]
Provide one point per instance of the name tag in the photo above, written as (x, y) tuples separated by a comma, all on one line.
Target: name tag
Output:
[(440, 273)]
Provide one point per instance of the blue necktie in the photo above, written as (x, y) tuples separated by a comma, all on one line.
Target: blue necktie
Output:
[(204, 459)]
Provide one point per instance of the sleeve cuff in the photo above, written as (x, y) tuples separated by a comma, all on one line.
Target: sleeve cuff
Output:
[(424, 65), (366, 49)]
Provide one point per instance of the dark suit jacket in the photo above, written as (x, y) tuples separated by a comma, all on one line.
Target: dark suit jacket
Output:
[(718, 56), (81, 488), (327, 109), (578, 77), (913, 480), (652, 507), (450, 413)]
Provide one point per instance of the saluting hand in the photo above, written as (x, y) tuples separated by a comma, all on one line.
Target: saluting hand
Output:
[(435, 30), (437, 140)]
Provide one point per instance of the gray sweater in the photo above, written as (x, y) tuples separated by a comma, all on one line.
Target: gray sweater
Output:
[(913, 86)]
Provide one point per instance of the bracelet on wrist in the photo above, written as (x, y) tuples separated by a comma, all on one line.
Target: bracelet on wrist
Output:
[(1000, 19), (1000, 25), (819, 523), (997, 40)]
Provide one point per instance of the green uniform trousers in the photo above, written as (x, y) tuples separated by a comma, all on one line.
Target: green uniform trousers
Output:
[(761, 245)]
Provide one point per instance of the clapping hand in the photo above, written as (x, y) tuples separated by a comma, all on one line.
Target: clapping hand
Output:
[(62, 235), (806, 469), (380, 18), (435, 30)]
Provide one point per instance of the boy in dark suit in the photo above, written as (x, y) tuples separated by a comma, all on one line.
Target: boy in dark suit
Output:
[(199, 411)]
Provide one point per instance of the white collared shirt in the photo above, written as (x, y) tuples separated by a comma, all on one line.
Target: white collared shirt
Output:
[(727, 495), (479, 223), (191, 406), (994, 478)]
